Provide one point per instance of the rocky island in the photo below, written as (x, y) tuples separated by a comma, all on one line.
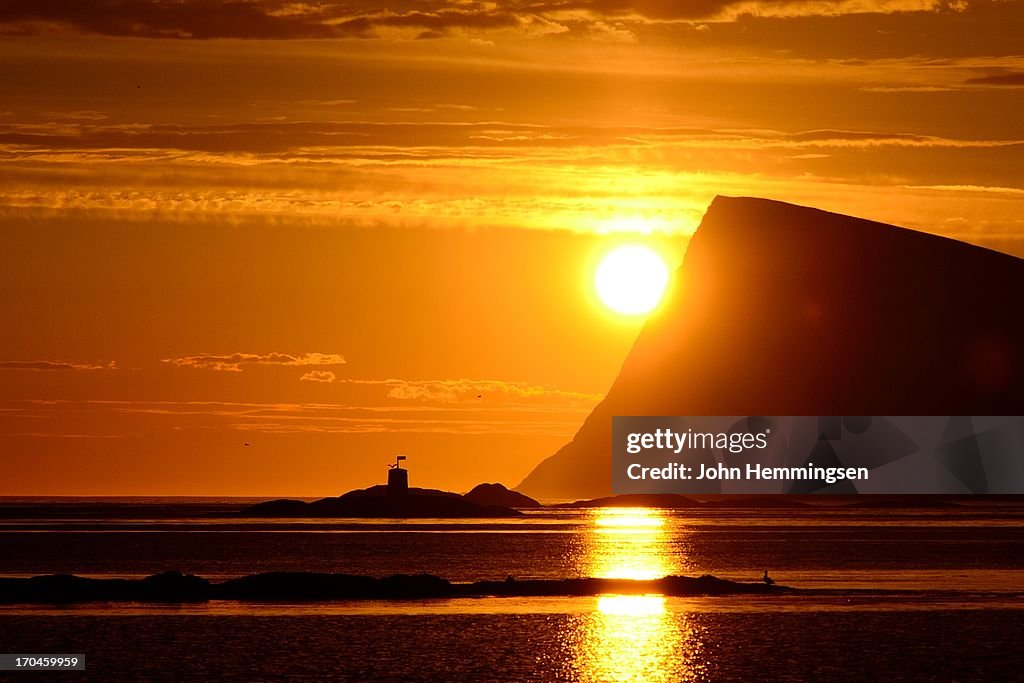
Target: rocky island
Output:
[(397, 500), (174, 587)]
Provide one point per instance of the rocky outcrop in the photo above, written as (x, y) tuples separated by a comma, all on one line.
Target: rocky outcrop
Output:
[(310, 586), (377, 502), (496, 494)]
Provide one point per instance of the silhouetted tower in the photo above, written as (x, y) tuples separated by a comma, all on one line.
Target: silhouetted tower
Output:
[(398, 478)]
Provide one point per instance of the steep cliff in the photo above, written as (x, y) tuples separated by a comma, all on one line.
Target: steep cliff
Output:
[(786, 310)]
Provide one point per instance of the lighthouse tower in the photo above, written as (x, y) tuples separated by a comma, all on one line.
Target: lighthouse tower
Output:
[(398, 478)]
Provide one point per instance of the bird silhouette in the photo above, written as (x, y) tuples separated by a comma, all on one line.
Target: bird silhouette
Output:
[(768, 581)]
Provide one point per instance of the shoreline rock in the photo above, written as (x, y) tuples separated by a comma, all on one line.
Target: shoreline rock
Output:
[(175, 587), (377, 502)]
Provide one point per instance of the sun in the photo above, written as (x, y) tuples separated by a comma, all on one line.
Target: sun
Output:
[(631, 279)]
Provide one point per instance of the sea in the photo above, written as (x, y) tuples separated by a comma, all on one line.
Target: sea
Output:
[(893, 593)]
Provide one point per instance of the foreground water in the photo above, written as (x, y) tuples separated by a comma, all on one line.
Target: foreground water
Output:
[(911, 594)]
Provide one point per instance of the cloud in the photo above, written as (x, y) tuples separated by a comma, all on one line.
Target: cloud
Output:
[(75, 115), (259, 19), (46, 365), (275, 137), (54, 435), (282, 20), (318, 376), (565, 175), (1008, 80), (328, 103), (252, 143), (115, 419), (197, 19), (667, 11), (866, 139), (234, 362), (907, 88), (473, 390)]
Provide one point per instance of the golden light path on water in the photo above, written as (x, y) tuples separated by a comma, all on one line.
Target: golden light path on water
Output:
[(634, 637), (628, 543)]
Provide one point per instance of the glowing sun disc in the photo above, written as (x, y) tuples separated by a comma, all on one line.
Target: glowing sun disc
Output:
[(631, 279)]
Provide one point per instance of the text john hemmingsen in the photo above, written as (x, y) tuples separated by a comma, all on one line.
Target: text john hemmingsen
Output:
[(734, 442)]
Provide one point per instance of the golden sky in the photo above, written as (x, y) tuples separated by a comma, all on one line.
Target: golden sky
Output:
[(341, 231)]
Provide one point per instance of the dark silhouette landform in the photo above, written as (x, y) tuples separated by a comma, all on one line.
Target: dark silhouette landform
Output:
[(497, 494), (495, 501), (379, 501), (301, 586), (786, 310)]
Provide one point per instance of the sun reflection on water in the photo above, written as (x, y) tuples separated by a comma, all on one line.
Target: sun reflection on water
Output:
[(631, 605), (628, 543), (633, 637)]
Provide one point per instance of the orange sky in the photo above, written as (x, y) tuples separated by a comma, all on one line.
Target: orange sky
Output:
[(326, 229)]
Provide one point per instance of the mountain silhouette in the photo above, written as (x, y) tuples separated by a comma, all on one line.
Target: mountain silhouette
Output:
[(787, 310)]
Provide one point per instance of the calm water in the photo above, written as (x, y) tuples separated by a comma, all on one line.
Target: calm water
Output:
[(912, 594)]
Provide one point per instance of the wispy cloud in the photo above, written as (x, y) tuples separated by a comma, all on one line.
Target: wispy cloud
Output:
[(352, 144), (1011, 80), (325, 376), (113, 419), (56, 435), (48, 365), (235, 361), (474, 390), (546, 426), (907, 88), (523, 175)]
